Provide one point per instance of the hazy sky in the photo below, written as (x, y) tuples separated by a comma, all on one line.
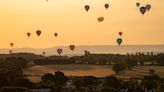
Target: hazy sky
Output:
[(76, 26)]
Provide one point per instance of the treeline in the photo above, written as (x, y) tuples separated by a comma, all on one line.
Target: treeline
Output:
[(26, 56), (13, 80), (11, 74), (58, 82), (10, 62), (139, 57), (88, 58), (54, 60), (105, 59)]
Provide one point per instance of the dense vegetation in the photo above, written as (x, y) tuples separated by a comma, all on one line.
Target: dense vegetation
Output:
[(13, 80)]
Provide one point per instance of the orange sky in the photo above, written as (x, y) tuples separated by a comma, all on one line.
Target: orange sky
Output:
[(75, 26)]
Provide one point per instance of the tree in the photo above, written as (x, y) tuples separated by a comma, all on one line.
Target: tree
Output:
[(130, 63), (151, 82), (86, 53), (108, 89), (111, 82), (78, 82), (60, 80), (118, 67), (17, 62), (9, 73), (89, 80), (48, 77), (160, 88), (160, 59), (14, 89), (24, 82)]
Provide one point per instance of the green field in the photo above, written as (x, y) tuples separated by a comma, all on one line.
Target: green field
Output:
[(89, 70)]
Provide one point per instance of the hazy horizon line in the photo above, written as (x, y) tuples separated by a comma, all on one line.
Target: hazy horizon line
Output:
[(83, 45)]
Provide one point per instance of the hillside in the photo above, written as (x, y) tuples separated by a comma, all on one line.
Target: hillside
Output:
[(105, 49)]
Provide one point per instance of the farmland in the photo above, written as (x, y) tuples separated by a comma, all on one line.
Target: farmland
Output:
[(89, 70)]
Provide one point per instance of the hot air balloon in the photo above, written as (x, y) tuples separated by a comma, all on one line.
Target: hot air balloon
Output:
[(143, 10), (119, 41), (100, 19), (87, 7), (55, 34), (137, 4), (106, 6), (148, 7), (11, 44), (10, 51), (72, 47), (38, 32), (120, 33), (59, 51), (43, 52), (28, 34)]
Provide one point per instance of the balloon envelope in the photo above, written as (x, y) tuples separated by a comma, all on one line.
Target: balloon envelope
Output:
[(59, 51), (137, 4), (56, 34), (72, 47), (10, 51), (100, 19), (119, 41), (43, 52), (120, 33), (28, 34), (11, 44), (148, 7), (106, 6), (87, 7), (143, 10), (38, 32)]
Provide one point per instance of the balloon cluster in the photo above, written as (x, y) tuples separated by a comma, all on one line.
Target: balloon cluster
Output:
[(119, 40), (100, 19), (39, 32), (72, 47), (59, 50), (143, 9)]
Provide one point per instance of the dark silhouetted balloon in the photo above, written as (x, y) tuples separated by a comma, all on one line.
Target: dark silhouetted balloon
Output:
[(87, 7), (120, 33), (148, 7), (72, 47), (38, 32), (143, 10), (43, 52), (137, 4), (28, 34), (11, 44), (106, 6), (100, 19), (119, 41), (10, 51), (59, 51), (55, 34)]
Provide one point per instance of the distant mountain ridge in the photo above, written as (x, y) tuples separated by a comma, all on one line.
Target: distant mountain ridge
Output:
[(98, 49)]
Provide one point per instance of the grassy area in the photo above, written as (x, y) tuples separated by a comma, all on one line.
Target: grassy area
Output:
[(90, 70)]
